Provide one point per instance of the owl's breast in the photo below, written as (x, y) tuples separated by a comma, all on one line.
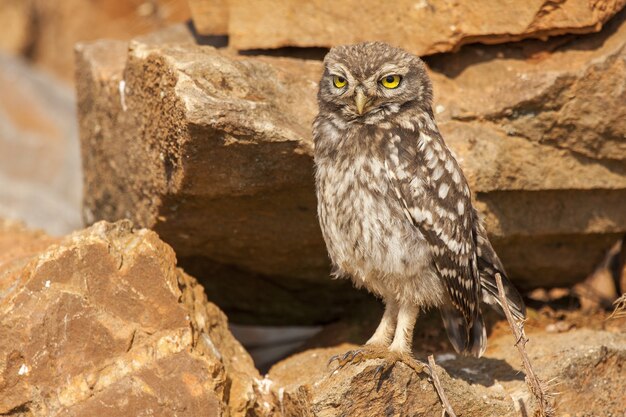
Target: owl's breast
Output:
[(362, 221)]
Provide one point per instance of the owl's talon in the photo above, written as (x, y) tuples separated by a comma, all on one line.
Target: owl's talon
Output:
[(333, 359), (352, 356), (417, 366), (380, 369)]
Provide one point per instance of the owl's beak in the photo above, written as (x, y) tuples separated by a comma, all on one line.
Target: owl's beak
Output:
[(360, 100)]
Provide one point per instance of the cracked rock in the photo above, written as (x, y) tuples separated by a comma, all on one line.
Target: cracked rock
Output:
[(103, 323)]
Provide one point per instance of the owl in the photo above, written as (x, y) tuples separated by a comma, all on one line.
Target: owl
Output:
[(394, 206)]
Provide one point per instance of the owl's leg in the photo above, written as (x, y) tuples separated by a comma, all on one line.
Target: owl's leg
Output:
[(399, 350), (403, 338), (384, 332)]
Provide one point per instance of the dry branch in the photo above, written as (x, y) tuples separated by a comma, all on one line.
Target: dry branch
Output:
[(620, 308), (536, 387), (439, 388)]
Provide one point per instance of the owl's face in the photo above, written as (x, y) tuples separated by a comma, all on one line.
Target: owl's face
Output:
[(370, 81)]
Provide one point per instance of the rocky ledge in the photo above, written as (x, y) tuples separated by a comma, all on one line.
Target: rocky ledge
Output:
[(102, 322), (424, 27)]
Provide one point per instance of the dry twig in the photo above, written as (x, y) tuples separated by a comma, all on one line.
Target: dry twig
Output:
[(439, 387), (536, 387), (620, 308)]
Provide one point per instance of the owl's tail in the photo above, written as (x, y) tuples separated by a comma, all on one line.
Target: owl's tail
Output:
[(467, 339), (490, 295)]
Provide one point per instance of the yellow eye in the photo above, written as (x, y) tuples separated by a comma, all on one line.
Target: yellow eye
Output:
[(339, 82), (391, 81)]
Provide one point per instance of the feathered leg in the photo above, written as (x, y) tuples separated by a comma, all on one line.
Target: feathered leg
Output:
[(403, 338), (385, 330)]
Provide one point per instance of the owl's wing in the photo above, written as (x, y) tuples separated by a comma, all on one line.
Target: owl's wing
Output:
[(435, 197), (489, 265)]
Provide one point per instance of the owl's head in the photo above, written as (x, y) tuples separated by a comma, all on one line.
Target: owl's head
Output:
[(368, 81)]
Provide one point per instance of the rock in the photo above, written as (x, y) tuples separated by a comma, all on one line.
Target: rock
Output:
[(424, 27), (261, 218), (308, 385), (47, 31), (213, 151), (584, 366), (494, 385), (39, 149), (15, 20), (544, 92), (102, 322), (603, 286), (543, 131), (210, 17), (19, 243)]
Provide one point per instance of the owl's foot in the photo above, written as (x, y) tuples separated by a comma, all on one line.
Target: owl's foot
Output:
[(405, 358), (390, 358)]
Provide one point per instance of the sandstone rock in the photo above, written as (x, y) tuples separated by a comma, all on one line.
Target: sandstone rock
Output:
[(40, 180), (260, 218), (16, 21), (46, 31), (210, 17), (541, 136), (309, 386), (425, 27), (18, 241), (585, 367), (103, 323), (551, 93), (604, 285), (213, 151)]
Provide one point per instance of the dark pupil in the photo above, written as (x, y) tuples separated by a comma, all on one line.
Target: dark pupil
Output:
[(340, 80), (389, 79)]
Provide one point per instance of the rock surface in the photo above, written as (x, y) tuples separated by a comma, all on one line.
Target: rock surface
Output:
[(103, 323), (585, 366), (424, 27), (40, 178), (210, 17), (213, 151), (175, 169), (46, 32), (542, 138)]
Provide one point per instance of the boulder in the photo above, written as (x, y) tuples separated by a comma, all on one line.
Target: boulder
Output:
[(424, 27), (103, 323), (210, 17), (166, 149), (541, 136), (214, 151), (45, 32), (39, 149), (307, 386), (15, 20), (585, 366)]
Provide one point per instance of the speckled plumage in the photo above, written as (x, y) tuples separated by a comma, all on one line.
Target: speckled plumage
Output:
[(393, 204)]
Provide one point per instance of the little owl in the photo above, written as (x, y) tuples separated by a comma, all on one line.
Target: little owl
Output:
[(393, 205)]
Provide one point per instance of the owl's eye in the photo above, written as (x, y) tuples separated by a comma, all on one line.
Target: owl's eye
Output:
[(391, 81), (339, 82)]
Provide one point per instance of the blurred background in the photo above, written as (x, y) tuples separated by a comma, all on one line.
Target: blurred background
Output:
[(145, 120)]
